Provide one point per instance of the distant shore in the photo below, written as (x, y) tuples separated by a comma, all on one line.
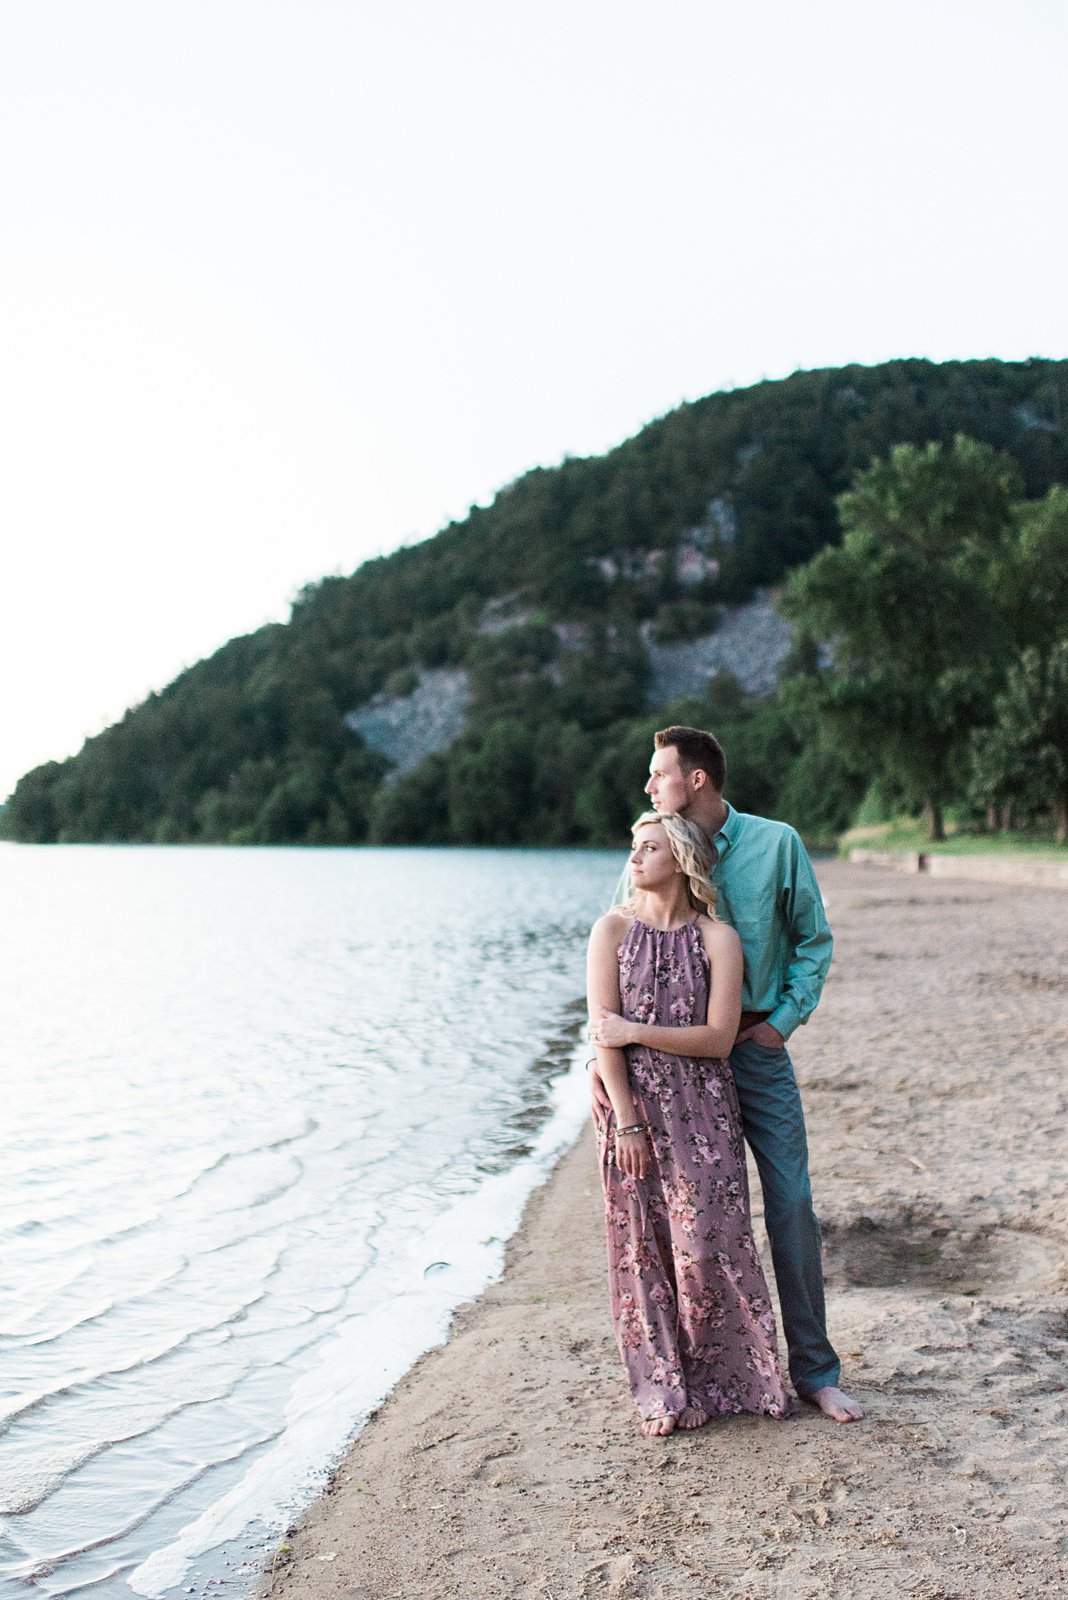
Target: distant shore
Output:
[(508, 1463)]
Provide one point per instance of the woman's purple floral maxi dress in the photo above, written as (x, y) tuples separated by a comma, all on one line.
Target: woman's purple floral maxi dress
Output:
[(691, 1306)]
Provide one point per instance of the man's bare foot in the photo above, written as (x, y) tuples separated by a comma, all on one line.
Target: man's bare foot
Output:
[(836, 1405), (657, 1427), (694, 1417)]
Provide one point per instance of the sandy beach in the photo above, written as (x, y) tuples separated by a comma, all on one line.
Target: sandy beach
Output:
[(508, 1463)]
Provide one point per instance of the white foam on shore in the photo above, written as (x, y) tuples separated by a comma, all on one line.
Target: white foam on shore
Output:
[(361, 1363)]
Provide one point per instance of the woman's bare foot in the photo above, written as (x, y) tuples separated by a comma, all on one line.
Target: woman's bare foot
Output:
[(694, 1417), (836, 1405), (658, 1427)]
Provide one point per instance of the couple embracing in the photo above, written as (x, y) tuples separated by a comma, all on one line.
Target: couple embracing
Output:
[(696, 983)]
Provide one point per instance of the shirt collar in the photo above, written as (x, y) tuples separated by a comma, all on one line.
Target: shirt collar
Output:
[(729, 831)]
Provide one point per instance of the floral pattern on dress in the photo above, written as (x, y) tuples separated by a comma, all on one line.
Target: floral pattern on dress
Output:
[(693, 1316)]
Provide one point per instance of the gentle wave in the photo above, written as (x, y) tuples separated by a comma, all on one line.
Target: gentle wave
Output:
[(362, 1363)]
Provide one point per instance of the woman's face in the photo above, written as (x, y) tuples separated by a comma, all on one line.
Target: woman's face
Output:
[(651, 861)]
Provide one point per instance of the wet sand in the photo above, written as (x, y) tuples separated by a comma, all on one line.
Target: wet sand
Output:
[(508, 1463)]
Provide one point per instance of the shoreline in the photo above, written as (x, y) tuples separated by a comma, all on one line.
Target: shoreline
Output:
[(434, 1278), (507, 1462)]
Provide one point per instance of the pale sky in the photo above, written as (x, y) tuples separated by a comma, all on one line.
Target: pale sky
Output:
[(286, 283)]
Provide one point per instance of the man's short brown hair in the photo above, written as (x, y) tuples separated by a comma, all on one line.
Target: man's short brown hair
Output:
[(698, 750)]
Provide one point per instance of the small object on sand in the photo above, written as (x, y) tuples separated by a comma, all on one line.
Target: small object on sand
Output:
[(436, 1266)]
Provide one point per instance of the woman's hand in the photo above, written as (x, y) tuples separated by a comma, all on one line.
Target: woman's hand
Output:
[(600, 1102), (632, 1153), (610, 1029)]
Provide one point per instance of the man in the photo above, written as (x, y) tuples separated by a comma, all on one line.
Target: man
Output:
[(768, 892)]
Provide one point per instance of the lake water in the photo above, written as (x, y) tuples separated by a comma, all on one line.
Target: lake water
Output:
[(267, 1117)]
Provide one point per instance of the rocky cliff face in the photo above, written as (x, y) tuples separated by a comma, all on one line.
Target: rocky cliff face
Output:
[(752, 642), (406, 728)]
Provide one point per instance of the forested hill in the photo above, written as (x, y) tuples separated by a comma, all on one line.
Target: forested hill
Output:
[(529, 626)]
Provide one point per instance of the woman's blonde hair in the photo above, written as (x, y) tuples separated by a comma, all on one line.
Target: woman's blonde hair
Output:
[(692, 852)]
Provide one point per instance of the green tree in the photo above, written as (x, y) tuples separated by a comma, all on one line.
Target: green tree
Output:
[(561, 752), (909, 602), (821, 789), (491, 773), (1035, 580), (610, 793), (1022, 759), (31, 816), (605, 679), (414, 808)]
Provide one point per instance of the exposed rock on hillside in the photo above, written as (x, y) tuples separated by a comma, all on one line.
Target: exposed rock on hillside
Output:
[(405, 728), (497, 616), (1029, 416), (752, 641)]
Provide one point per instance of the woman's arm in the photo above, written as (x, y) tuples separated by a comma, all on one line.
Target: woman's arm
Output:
[(715, 1037), (602, 990)]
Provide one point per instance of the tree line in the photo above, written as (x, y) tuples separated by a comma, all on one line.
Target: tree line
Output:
[(924, 571)]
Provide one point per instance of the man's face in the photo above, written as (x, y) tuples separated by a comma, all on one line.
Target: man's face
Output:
[(669, 787)]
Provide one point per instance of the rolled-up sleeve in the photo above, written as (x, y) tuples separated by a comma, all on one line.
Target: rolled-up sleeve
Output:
[(809, 937)]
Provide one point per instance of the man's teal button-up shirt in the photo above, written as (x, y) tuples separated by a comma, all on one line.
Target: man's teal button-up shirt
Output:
[(768, 892)]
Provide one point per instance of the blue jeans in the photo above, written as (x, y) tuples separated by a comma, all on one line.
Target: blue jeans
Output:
[(774, 1126)]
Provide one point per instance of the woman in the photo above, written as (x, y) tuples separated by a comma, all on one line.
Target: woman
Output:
[(691, 1306)]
